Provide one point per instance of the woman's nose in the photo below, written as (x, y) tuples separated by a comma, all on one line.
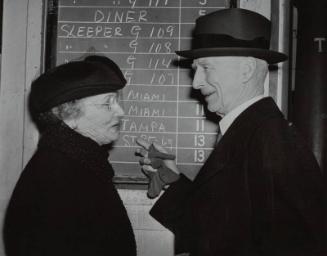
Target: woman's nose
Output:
[(119, 110)]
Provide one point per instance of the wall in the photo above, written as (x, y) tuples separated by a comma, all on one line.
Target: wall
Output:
[(278, 12), (21, 56)]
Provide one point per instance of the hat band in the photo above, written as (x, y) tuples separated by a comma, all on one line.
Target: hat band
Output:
[(220, 40)]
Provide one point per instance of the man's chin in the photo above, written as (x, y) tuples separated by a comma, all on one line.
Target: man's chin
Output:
[(212, 108), (215, 110)]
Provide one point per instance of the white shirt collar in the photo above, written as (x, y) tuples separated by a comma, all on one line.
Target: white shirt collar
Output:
[(228, 119)]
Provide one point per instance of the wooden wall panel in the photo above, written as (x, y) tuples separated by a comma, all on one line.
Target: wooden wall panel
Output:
[(151, 237), (21, 60), (12, 98), (278, 12)]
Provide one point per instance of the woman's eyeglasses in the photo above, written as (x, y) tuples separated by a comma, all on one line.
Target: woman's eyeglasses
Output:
[(111, 102)]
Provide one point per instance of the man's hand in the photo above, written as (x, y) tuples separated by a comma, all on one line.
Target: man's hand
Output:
[(152, 153), (158, 165)]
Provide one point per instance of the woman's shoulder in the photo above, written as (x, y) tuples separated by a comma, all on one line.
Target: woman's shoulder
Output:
[(49, 164)]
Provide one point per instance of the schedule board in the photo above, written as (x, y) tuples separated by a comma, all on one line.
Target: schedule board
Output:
[(141, 36)]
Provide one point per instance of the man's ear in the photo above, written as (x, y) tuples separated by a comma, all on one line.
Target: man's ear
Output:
[(71, 123), (248, 68)]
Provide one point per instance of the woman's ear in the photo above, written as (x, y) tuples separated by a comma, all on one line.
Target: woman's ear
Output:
[(248, 68)]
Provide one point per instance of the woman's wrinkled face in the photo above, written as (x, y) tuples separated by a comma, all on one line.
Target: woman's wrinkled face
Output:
[(100, 118)]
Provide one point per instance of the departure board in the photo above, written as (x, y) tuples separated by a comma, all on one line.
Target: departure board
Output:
[(160, 106)]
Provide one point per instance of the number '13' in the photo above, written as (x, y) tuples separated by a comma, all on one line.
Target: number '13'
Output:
[(199, 155)]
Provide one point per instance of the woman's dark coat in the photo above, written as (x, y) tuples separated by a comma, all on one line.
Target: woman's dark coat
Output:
[(259, 193), (65, 202)]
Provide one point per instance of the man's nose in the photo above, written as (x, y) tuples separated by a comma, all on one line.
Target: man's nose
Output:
[(198, 79)]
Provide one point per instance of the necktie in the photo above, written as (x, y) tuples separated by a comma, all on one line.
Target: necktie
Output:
[(219, 136)]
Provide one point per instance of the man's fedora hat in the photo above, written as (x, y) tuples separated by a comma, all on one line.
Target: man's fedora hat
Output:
[(233, 32)]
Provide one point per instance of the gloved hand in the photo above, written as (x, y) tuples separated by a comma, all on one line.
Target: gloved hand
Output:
[(158, 166)]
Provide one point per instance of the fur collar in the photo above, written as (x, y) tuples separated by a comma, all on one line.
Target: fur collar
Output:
[(62, 138)]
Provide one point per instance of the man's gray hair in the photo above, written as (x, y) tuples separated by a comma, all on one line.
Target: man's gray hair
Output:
[(261, 70)]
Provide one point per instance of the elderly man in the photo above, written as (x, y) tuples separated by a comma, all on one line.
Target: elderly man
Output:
[(260, 192)]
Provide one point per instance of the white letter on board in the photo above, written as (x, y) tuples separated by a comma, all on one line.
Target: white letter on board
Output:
[(98, 16), (320, 40)]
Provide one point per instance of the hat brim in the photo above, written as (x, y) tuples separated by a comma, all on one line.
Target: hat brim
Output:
[(272, 57), (76, 94)]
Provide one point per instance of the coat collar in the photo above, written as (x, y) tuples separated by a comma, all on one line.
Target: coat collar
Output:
[(62, 138), (237, 134), (253, 116), (228, 119)]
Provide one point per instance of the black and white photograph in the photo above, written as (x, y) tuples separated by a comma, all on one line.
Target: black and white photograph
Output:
[(163, 128)]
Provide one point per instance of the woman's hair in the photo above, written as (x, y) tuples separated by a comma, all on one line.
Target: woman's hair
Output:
[(68, 110), (59, 114)]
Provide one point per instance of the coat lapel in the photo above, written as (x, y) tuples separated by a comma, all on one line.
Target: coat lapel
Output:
[(232, 143)]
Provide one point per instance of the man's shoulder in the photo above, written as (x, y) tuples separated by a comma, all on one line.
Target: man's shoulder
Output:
[(283, 138), (262, 115), (259, 111)]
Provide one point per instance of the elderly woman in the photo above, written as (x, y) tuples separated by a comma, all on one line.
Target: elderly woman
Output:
[(65, 202)]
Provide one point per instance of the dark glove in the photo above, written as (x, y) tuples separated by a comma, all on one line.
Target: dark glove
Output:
[(163, 176)]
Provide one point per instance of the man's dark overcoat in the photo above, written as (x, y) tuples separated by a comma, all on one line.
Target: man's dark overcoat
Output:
[(65, 202), (260, 192)]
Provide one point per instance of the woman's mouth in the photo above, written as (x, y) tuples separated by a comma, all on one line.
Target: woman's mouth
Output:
[(116, 126)]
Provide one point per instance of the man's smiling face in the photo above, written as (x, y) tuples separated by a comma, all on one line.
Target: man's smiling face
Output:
[(219, 80)]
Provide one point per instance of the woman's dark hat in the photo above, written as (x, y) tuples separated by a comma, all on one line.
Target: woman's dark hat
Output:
[(233, 32), (75, 80)]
